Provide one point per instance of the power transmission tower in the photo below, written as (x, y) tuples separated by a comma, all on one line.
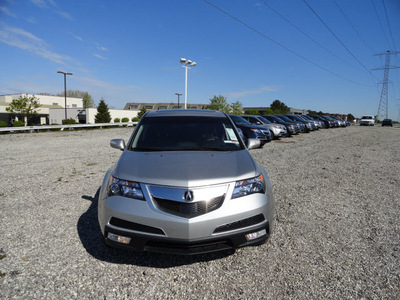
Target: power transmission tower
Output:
[(383, 110)]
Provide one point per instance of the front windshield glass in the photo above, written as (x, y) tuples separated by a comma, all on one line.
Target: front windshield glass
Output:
[(286, 118), (278, 119), (239, 120), (264, 120), (184, 133)]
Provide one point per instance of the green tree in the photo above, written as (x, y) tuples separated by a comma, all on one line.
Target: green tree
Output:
[(103, 114), (87, 100), (219, 103), (237, 108), (278, 107), (142, 111), (24, 106), (252, 111), (350, 118)]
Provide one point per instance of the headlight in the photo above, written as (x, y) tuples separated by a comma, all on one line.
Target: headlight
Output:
[(249, 186), (255, 130), (118, 187)]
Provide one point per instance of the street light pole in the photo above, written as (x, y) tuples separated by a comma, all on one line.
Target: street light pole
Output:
[(186, 63), (65, 90), (178, 99)]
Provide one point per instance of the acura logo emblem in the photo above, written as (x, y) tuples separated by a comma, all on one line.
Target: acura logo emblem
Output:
[(188, 196)]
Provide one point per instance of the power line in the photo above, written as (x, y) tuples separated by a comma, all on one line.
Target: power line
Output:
[(355, 30), (380, 23), (335, 36), (308, 36), (281, 45), (387, 20)]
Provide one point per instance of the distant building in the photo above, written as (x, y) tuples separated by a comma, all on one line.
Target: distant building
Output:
[(156, 106), (52, 110), (47, 103)]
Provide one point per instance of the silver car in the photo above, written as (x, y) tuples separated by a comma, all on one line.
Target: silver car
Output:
[(277, 130), (185, 184)]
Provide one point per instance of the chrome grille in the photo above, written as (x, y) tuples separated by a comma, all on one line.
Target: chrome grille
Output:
[(188, 210)]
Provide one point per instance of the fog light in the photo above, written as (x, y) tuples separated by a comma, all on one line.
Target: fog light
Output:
[(118, 238), (255, 235)]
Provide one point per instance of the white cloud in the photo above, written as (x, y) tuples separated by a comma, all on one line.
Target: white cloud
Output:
[(6, 11), (99, 56), (79, 38), (22, 39), (246, 93), (52, 5)]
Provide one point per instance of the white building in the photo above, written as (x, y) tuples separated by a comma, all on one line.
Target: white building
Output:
[(53, 110), (46, 102)]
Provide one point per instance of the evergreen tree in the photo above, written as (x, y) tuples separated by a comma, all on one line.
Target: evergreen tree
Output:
[(103, 115)]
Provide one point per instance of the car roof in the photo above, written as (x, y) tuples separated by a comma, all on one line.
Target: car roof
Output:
[(185, 112)]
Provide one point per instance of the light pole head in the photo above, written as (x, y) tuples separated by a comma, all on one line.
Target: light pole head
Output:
[(193, 64), (183, 60)]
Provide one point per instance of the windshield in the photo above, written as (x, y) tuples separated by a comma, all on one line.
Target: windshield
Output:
[(367, 117), (185, 133), (239, 120), (264, 120), (285, 118)]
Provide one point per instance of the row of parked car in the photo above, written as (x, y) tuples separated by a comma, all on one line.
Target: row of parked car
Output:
[(269, 127)]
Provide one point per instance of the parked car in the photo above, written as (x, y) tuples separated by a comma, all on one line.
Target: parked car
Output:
[(251, 131), (291, 127), (319, 124), (301, 125), (387, 122), (342, 123), (367, 121), (309, 126), (276, 130), (328, 123), (186, 184)]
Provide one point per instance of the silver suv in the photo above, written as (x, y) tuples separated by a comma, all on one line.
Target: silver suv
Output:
[(185, 184)]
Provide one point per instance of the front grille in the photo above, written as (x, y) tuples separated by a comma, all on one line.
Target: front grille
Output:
[(188, 248), (240, 224), (135, 226), (189, 210)]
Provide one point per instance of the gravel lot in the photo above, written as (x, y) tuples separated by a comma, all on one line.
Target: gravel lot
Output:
[(336, 235)]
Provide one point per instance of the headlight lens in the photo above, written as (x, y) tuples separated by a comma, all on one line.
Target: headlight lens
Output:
[(249, 186), (255, 130), (130, 189)]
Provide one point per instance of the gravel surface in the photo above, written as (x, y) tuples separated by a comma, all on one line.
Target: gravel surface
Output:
[(336, 235)]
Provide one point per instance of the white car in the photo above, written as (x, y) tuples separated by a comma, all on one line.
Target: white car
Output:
[(367, 120)]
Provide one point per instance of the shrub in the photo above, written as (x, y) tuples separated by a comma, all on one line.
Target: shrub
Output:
[(3, 124), (135, 119), (117, 120), (18, 123), (69, 121), (125, 119)]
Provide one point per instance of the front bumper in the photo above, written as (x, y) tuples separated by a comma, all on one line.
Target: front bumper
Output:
[(151, 229), (145, 242)]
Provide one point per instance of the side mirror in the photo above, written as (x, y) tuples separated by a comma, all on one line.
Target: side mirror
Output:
[(118, 144), (253, 144)]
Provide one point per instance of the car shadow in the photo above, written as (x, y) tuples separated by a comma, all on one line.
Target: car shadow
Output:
[(92, 240)]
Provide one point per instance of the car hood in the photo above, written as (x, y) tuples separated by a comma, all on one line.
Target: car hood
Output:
[(185, 168)]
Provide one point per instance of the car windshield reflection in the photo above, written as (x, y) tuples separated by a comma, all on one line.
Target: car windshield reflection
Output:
[(185, 134)]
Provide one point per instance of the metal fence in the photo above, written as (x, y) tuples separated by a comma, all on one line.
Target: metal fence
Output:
[(64, 127)]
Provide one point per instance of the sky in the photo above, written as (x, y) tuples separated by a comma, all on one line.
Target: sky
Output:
[(310, 54)]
